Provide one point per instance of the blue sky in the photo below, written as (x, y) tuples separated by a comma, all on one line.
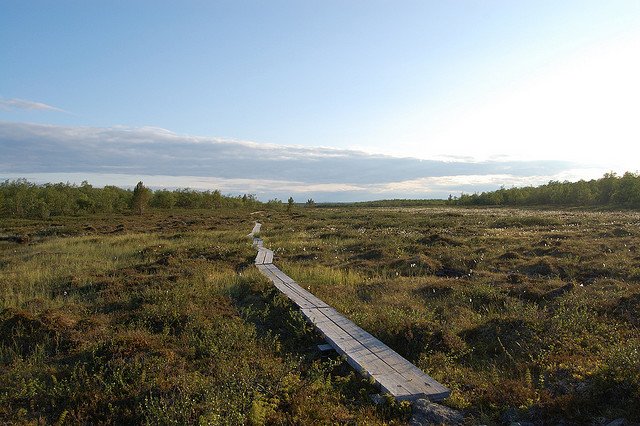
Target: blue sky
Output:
[(495, 82)]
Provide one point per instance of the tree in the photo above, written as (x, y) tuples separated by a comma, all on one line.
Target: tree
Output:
[(289, 204), (216, 196), (141, 197), (310, 202), (187, 198), (163, 199)]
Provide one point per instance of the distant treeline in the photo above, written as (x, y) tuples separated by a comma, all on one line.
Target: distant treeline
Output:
[(610, 190), (22, 199)]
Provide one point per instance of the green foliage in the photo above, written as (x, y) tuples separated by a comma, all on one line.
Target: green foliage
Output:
[(22, 199), (163, 199), (140, 198), (609, 190)]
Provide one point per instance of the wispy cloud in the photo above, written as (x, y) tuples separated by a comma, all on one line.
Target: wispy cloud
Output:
[(23, 104), (121, 154)]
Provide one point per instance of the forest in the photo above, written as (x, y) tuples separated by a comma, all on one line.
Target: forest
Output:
[(23, 199), (610, 190)]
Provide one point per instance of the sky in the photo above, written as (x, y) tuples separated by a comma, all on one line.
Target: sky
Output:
[(336, 101)]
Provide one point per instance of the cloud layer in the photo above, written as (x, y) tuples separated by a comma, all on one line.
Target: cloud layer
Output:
[(23, 104), (168, 159)]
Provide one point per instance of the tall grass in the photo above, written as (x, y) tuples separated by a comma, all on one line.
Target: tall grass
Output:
[(43, 272), (520, 310), (172, 326)]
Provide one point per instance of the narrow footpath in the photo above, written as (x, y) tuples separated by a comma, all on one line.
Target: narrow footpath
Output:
[(366, 354)]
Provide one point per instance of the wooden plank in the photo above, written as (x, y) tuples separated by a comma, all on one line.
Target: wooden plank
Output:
[(368, 355), (346, 342), (286, 290), (260, 257), (392, 359), (269, 275), (341, 341), (262, 269), (363, 360), (398, 385), (295, 287), (255, 230), (308, 296), (284, 277), (315, 316), (373, 358), (294, 297)]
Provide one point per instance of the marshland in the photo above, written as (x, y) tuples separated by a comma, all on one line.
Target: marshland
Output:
[(530, 313)]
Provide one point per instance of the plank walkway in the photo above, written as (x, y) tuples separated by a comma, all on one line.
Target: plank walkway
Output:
[(366, 354)]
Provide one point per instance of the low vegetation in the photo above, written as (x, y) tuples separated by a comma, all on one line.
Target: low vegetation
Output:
[(527, 314), (160, 318)]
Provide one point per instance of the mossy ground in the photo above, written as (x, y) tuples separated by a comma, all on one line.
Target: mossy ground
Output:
[(535, 311), (162, 319), (159, 319)]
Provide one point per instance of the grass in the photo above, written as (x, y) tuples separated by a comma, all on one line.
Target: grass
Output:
[(159, 324), (162, 319), (526, 310)]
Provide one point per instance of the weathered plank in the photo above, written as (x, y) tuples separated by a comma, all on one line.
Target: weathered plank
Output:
[(296, 296), (368, 355), (397, 363), (255, 230), (363, 360), (294, 287), (390, 370), (260, 257)]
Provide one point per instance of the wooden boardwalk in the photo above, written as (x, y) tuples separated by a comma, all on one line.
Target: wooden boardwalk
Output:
[(368, 355)]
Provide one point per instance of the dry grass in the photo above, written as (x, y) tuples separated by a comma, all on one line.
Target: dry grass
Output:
[(162, 319), (513, 309), (159, 320)]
